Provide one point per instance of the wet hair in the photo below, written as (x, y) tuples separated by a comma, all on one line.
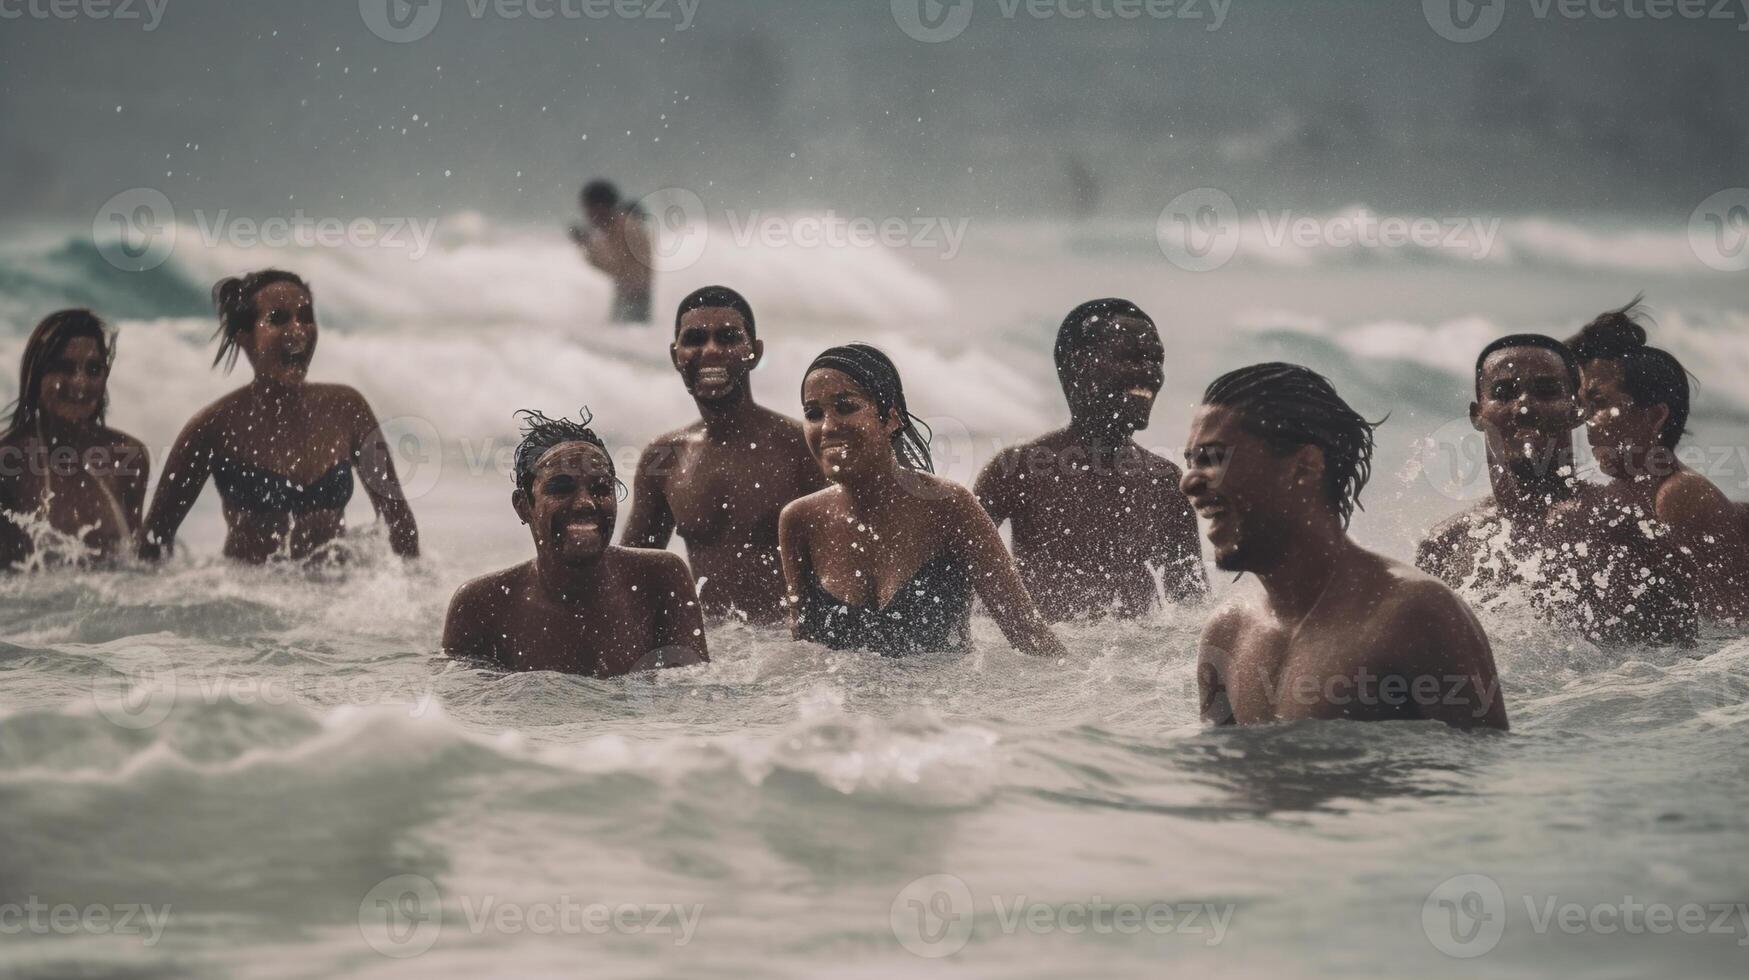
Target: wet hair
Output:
[(599, 193), (1077, 334), (540, 434), (46, 343), (1289, 406), (1529, 340), (877, 375), (1649, 376), (235, 299), (716, 296)]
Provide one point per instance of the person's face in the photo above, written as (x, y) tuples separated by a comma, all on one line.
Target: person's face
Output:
[(1527, 409), (1247, 493), (1118, 375), (842, 427), (74, 382), (571, 504), (283, 340), (714, 354), (1622, 434)]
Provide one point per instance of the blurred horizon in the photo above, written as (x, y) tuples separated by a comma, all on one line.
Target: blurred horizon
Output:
[(800, 104)]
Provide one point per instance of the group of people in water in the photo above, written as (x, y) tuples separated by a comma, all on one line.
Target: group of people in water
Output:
[(837, 525)]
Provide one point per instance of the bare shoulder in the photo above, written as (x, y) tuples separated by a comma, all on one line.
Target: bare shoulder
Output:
[(651, 564), (482, 598), (1223, 631), (808, 507), (1688, 496), (1159, 466), (1413, 600)]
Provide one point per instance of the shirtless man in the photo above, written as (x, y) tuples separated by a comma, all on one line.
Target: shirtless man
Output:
[(58, 458), (581, 606), (723, 480), (1543, 529), (614, 240), (1275, 463), (1096, 517)]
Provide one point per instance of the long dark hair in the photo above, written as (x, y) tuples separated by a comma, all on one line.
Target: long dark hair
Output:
[(46, 343), (1649, 376), (878, 376), (235, 299)]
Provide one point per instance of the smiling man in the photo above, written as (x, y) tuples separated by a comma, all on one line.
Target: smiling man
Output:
[(1275, 464), (581, 606), (723, 480), (1097, 519), (1542, 529)]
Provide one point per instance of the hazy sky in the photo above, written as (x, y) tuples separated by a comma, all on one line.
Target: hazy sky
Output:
[(262, 106)]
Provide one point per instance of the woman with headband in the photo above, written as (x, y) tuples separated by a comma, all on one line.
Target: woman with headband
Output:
[(887, 558), (58, 458)]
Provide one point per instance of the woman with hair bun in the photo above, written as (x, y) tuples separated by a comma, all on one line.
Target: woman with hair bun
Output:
[(887, 558), (1635, 401), (281, 449), (59, 459)]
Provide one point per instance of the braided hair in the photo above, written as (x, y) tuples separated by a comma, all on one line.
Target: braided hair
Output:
[(1289, 406), (877, 375)]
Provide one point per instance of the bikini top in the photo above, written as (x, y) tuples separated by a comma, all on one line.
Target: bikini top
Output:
[(248, 487), (929, 613)]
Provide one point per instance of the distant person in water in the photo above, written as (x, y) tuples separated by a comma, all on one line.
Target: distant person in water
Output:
[(582, 606), (723, 480), (887, 558), (59, 460), (1541, 530), (1098, 520), (281, 450), (1635, 399), (614, 239), (1275, 464)]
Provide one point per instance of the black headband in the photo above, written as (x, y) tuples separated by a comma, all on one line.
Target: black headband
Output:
[(876, 374)]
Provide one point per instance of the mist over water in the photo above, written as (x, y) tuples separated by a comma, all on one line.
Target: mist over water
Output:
[(279, 760)]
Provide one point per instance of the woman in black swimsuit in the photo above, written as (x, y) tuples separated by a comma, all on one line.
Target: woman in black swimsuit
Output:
[(887, 558), (281, 450)]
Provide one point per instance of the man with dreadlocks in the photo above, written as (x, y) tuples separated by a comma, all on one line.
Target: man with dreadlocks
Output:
[(1096, 517), (1275, 464), (582, 606)]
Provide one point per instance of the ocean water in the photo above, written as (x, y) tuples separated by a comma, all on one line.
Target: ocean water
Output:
[(270, 773)]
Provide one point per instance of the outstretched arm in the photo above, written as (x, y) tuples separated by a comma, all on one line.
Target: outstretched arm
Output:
[(652, 523), (792, 547), (185, 473), (992, 489), (376, 470), (998, 580), (680, 628)]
